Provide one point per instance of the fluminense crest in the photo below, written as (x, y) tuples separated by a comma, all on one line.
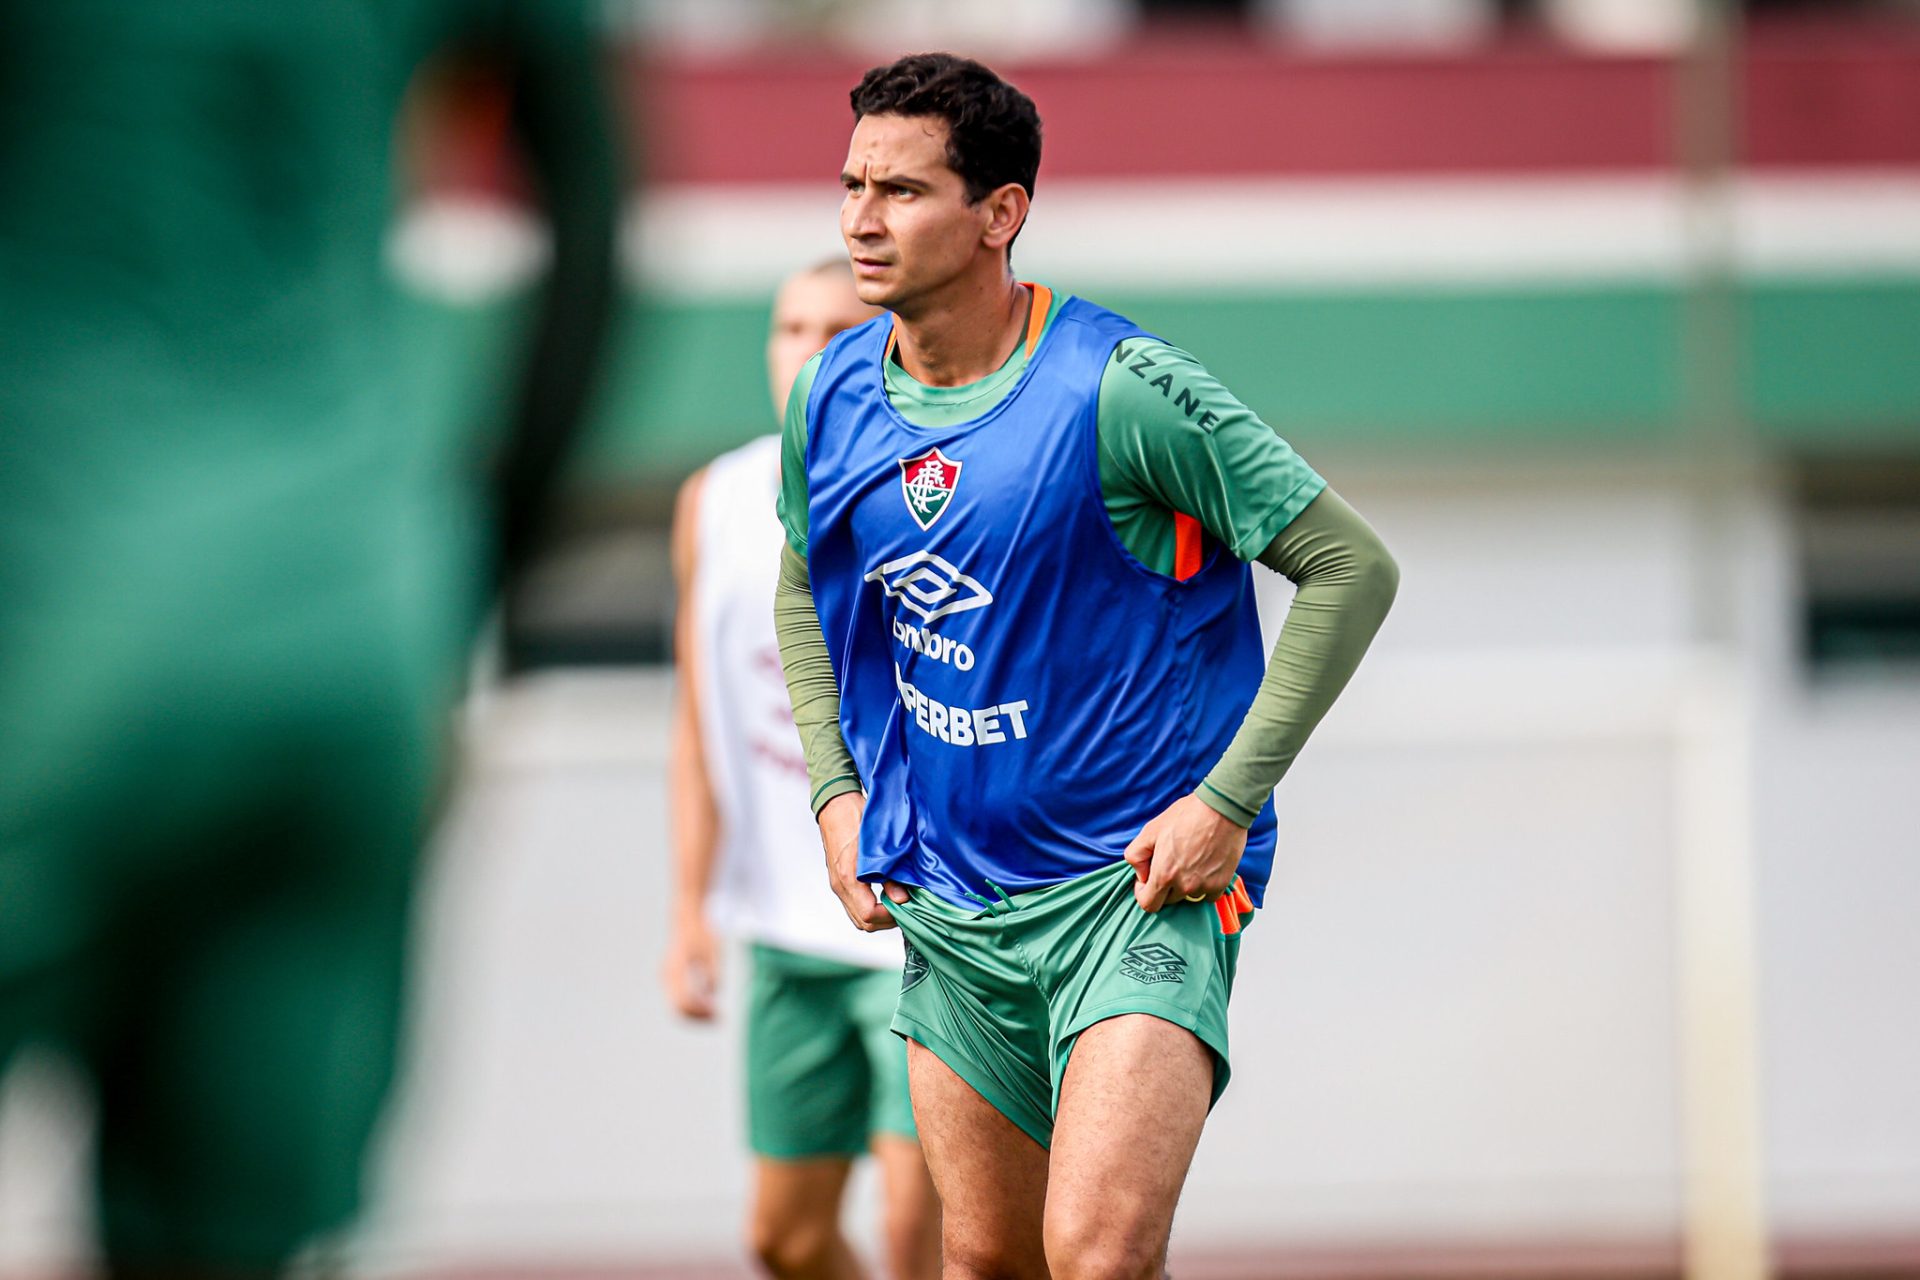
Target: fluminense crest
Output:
[(928, 482)]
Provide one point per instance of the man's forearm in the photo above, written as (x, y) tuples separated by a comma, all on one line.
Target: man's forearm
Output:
[(1345, 580), (692, 812), (810, 683), (694, 818)]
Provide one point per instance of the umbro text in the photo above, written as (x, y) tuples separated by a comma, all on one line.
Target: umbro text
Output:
[(938, 647)]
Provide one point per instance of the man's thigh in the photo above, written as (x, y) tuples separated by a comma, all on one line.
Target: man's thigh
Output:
[(991, 1175), (1134, 1100)]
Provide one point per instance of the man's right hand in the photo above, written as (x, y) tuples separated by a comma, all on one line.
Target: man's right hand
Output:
[(691, 970), (840, 834)]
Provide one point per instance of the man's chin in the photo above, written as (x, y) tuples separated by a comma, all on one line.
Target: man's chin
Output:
[(876, 293)]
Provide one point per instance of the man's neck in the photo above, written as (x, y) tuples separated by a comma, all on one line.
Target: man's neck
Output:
[(966, 335)]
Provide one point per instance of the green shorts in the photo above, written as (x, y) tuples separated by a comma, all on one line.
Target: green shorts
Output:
[(825, 1072), (1000, 994)]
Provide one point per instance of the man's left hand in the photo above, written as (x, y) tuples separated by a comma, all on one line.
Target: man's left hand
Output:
[(1187, 851)]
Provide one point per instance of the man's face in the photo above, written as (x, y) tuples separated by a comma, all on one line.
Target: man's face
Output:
[(906, 220), (809, 309)]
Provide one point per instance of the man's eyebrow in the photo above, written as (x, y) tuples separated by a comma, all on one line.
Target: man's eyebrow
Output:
[(848, 178)]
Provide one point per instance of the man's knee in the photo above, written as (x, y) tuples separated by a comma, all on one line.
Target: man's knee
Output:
[(791, 1247), (1093, 1243), (794, 1225), (913, 1239), (987, 1260)]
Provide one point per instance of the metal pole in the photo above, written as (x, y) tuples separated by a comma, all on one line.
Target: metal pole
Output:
[(1725, 1224)]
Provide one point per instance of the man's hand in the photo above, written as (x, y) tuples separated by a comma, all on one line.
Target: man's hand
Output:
[(840, 834), (691, 970), (1187, 851)]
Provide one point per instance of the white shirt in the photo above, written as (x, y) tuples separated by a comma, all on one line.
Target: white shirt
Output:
[(771, 882)]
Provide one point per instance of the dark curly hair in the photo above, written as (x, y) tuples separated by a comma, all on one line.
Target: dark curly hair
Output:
[(993, 132)]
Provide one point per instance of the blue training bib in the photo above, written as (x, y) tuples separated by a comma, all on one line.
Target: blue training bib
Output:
[(1019, 693)]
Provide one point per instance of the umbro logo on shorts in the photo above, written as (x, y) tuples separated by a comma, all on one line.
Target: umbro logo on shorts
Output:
[(916, 968), (1153, 962)]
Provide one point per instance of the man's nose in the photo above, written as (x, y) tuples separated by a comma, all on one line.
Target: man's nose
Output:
[(862, 215)]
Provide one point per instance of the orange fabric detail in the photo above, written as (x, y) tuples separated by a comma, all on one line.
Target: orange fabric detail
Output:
[(1037, 318), (1186, 546), (1241, 898), (1232, 906)]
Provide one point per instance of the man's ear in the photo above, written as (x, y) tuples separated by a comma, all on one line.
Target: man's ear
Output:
[(1006, 209)]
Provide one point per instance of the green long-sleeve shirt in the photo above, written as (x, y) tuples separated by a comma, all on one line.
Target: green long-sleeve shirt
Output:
[(1171, 438)]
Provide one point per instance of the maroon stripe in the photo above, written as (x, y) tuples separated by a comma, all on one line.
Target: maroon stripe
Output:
[(1829, 97), (1204, 108), (1813, 95)]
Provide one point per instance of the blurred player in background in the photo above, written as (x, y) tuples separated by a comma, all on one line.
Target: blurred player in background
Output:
[(1020, 637), (239, 572), (826, 1077)]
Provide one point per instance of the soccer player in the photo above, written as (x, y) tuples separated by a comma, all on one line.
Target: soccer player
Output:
[(239, 571), (1019, 635), (826, 1077)]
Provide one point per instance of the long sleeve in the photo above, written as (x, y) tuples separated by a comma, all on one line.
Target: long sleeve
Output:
[(810, 683), (1345, 580)]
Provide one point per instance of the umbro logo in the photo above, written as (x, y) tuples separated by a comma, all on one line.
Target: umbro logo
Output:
[(915, 968), (1153, 962), (930, 586)]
